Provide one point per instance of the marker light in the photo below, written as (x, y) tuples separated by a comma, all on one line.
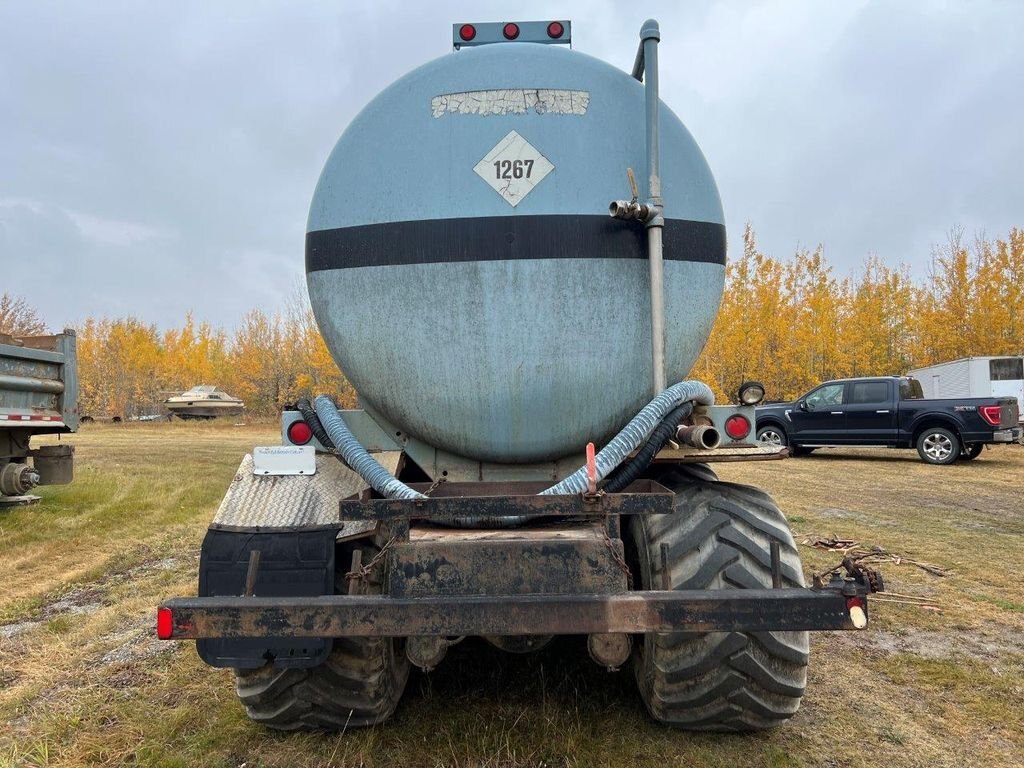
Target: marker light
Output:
[(467, 32), (164, 623), (299, 432), (737, 427), (510, 31), (555, 30)]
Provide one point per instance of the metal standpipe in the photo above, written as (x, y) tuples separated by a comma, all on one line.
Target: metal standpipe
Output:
[(645, 69)]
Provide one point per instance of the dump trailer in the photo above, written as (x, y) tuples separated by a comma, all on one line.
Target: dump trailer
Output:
[(38, 396), (528, 459)]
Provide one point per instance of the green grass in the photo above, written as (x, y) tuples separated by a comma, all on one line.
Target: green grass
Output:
[(92, 686)]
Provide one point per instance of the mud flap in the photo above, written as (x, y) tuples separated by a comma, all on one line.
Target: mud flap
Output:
[(291, 564)]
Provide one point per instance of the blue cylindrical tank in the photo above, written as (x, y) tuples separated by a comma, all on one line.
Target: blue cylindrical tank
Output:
[(463, 268)]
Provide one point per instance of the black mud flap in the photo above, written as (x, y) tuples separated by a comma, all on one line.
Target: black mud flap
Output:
[(291, 564)]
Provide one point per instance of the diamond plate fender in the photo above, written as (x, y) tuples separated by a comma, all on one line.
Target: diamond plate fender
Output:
[(295, 502)]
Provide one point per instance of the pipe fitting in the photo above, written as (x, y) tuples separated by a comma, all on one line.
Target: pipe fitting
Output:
[(703, 437), (629, 210)]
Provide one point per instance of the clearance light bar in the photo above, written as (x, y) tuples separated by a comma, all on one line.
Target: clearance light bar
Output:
[(547, 32)]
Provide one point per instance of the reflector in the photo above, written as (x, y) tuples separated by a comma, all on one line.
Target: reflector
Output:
[(299, 432), (737, 427), (164, 623), (555, 30), (467, 32), (511, 31)]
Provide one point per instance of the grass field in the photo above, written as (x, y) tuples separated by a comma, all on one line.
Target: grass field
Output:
[(84, 682)]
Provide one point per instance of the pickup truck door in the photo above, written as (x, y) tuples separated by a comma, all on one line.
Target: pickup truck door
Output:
[(871, 412), (819, 417)]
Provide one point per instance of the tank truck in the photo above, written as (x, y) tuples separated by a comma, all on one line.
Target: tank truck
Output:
[(486, 271), (38, 396)]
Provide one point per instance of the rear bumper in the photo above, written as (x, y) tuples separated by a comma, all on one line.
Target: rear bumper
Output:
[(1011, 435), (753, 610)]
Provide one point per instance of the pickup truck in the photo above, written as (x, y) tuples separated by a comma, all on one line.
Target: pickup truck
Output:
[(889, 411), (38, 396)]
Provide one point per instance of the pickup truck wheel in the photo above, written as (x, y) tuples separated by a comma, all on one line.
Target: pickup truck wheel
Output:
[(772, 435), (719, 539), (971, 451), (359, 684), (937, 445)]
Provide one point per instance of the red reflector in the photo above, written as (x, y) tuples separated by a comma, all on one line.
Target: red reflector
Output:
[(164, 623), (737, 427), (467, 32), (555, 30), (299, 432), (991, 413), (510, 31)]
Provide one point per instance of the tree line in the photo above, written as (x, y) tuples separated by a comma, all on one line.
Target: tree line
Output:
[(787, 322), (793, 323)]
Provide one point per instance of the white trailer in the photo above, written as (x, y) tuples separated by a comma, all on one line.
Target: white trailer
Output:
[(974, 377)]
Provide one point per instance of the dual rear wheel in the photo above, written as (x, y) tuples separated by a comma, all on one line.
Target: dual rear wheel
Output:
[(719, 539)]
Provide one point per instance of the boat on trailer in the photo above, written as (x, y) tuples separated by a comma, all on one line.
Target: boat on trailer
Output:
[(204, 402)]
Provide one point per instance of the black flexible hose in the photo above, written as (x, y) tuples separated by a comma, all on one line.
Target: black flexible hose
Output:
[(303, 406), (629, 471)]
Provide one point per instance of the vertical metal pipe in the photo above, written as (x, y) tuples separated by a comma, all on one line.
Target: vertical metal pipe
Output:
[(650, 34)]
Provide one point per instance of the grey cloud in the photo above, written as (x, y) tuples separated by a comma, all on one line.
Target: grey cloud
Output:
[(157, 159)]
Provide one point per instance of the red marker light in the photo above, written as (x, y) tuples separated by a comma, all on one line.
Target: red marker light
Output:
[(737, 427), (510, 31), (299, 432), (555, 30), (467, 32), (164, 623)]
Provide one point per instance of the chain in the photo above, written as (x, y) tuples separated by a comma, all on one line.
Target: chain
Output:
[(433, 486), (619, 561), (364, 571)]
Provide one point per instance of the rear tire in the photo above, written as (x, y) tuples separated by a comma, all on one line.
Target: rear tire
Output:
[(719, 539), (358, 685), (971, 451), (937, 445)]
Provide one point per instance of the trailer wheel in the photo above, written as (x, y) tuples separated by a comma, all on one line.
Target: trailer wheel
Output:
[(720, 538), (358, 685), (936, 445)]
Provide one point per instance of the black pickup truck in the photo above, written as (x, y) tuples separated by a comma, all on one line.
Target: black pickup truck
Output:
[(889, 411)]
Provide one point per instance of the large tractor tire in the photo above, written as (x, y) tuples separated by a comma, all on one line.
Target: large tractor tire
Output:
[(359, 684), (718, 539)]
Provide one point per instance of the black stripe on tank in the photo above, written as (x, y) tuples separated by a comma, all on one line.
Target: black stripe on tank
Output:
[(502, 238)]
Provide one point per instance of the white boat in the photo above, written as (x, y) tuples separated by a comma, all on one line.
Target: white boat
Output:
[(204, 402)]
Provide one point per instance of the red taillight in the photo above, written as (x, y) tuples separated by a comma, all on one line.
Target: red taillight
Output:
[(299, 432), (510, 31), (737, 427), (991, 413), (555, 30), (467, 32), (164, 623)]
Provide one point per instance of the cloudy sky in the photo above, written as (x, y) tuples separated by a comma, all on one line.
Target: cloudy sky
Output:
[(160, 158)]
